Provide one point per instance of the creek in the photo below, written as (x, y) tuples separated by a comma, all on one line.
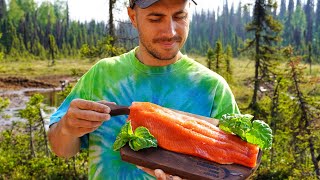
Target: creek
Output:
[(18, 100)]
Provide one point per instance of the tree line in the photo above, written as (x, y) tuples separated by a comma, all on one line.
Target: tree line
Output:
[(30, 31), (301, 27), (46, 31)]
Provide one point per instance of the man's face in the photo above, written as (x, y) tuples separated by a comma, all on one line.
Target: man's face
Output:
[(163, 27)]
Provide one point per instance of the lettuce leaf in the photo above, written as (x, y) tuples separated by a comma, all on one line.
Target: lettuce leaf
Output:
[(255, 132), (139, 139), (123, 137), (142, 139)]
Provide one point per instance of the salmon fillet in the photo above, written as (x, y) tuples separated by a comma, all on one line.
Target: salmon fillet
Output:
[(189, 135)]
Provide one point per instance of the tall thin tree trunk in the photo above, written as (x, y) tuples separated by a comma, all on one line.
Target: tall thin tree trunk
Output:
[(66, 38), (253, 104), (25, 29), (45, 139), (217, 63), (274, 115), (47, 33), (110, 22), (310, 57), (306, 120), (31, 146), (313, 157)]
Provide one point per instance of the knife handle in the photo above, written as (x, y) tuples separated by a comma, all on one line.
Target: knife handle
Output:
[(117, 110)]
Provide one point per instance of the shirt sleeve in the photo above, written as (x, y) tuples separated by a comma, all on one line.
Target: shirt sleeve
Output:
[(224, 101)]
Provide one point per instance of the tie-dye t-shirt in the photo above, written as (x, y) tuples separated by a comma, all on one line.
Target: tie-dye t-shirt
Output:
[(185, 85)]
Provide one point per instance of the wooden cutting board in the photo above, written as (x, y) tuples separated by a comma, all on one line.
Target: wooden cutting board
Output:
[(185, 166)]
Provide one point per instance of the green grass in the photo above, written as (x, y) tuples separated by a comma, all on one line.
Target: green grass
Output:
[(241, 85), (243, 73), (34, 69)]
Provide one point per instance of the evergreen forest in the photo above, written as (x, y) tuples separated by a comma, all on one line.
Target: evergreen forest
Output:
[(268, 51)]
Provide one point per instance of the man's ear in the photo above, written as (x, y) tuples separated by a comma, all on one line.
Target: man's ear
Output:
[(133, 16)]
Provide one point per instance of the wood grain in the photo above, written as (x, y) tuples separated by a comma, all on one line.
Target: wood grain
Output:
[(185, 166)]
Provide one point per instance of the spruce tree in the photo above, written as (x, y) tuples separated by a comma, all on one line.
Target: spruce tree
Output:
[(1, 53), (3, 10), (15, 13), (317, 29), (318, 14), (218, 53), (305, 137), (309, 11), (53, 49), (210, 57), (299, 25), (111, 26), (228, 59), (288, 28), (266, 33), (283, 10), (239, 30)]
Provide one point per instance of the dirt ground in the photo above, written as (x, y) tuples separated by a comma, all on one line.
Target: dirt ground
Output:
[(16, 83)]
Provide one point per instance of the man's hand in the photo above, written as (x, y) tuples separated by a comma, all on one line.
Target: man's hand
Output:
[(84, 117), (159, 174), (81, 118)]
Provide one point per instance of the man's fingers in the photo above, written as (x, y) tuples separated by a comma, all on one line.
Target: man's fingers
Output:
[(160, 175), (86, 124), (176, 178), (89, 115), (80, 131), (94, 106), (84, 131)]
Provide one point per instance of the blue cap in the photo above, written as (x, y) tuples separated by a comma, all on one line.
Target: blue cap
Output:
[(145, 3)]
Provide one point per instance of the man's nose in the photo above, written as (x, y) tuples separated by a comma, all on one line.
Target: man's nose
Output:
[(169, 28)]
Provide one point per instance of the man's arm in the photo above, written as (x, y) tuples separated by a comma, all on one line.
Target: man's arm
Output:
[(61, 144), (81, 118)]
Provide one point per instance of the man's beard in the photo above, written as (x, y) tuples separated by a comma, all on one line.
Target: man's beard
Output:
[(158, 55)]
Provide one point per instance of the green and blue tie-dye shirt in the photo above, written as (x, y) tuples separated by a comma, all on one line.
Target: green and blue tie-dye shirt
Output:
[(185, 85)]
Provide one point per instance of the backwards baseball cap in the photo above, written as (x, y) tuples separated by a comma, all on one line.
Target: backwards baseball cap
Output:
[(146, 3)]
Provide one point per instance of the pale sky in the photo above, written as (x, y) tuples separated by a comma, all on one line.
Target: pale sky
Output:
[(86, 10)]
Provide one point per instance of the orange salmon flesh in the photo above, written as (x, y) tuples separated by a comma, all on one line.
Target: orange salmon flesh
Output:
[(189, 135)]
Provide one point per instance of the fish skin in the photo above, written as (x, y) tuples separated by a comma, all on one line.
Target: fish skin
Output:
[(189, 135)]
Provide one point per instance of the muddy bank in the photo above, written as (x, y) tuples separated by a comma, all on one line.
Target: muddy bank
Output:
[(41, 82), (19, 89), (23, 82), (18, 100)]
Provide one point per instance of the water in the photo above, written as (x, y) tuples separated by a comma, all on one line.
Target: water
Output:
[(18, 100)]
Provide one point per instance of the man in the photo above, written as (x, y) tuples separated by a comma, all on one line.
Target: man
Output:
[(156, 72)]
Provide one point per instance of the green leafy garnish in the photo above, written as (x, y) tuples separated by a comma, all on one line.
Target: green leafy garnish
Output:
[(140, 139), (123, 137), (255, 132)]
